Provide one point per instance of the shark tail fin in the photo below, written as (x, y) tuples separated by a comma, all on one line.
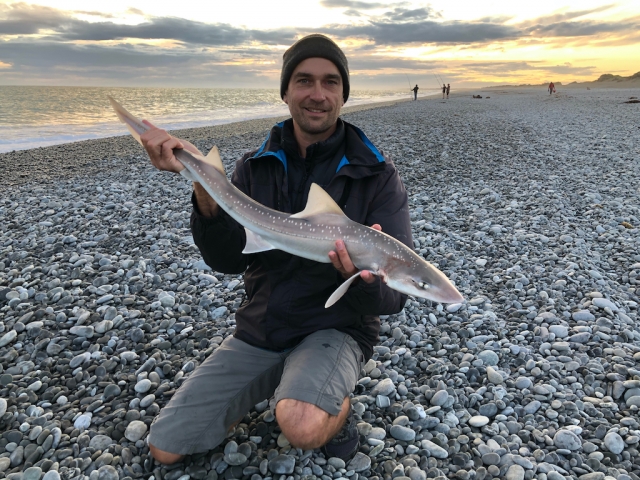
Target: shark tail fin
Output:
[(135, 126)]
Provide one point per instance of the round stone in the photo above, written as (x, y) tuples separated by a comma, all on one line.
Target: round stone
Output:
[(434, 450), (488, 409), (101, 442), (359, 463), (560, 331), (135, 430), (614, 442), (336, 463), (567, 440), (489, 357), (282, 464), (143, 386), (515, 472), (478, 421), (107, 472), (439, 398), (491, 458), (402, 433), (51, 475), (384, 387), (83, 421), (32, 473), (493, 376), (148, 400)]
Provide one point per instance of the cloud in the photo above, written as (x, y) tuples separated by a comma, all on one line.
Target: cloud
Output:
[(42, 43), (353, 4), (24, 19), (583, 28), (405, 14), (93, 14), (42, 62), (564, 16), (135, 11), (426, 32)]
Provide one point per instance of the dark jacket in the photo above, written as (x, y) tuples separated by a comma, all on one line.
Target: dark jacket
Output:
[(285, 294)]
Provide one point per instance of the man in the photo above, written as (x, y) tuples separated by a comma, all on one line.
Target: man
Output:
[(552, 88), (415, 92), (286, 344), (448, 90), (444, 90)]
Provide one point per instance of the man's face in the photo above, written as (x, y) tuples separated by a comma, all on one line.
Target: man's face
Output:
[(314, 96)]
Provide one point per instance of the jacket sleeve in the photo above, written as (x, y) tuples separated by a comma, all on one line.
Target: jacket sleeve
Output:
[(390, 209), (221, 239)]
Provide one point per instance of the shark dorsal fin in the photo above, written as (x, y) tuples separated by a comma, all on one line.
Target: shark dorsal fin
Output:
[(318, 202), (213, 159)]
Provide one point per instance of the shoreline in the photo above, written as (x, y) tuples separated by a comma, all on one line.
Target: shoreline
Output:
[(86, 157)]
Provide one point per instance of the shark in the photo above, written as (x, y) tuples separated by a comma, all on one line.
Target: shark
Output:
[(311, 233)]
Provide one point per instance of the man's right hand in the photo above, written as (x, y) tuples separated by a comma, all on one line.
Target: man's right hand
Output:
[(159, 146)]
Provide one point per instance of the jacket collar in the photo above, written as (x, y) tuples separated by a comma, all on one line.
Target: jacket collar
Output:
[(361, 158)]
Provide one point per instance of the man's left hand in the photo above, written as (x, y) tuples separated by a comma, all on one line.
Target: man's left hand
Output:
[(342, 262)]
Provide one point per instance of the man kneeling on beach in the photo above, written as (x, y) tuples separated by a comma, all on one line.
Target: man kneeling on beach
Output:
[(286, 344)]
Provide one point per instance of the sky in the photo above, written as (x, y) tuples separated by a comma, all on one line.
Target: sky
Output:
[(389, 45)]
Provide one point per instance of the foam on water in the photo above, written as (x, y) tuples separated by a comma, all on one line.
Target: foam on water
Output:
[(34, 116)]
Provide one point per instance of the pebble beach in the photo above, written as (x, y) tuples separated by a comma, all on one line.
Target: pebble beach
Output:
[(530, 203)]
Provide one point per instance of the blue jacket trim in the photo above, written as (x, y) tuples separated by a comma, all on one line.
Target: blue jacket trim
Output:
[(343, 162), (368, 143), (260, 150), (280, 155)]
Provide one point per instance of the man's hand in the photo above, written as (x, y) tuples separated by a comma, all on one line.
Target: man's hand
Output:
[(159, 146), (342, 262)]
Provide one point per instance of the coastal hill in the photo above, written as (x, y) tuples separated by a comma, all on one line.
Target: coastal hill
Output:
[(610, 80), (606, 80), (608, 77)]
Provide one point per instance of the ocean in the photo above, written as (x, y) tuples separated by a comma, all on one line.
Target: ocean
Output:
[(34, 116)]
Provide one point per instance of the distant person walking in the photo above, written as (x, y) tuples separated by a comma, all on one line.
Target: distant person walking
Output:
[(448, 90), (552, 88), (444, 90), (415, 92)]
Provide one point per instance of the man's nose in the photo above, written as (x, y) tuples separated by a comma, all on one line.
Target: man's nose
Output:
[(317, 93)]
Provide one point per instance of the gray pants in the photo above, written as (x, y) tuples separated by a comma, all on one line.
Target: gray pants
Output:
[(322, 370)]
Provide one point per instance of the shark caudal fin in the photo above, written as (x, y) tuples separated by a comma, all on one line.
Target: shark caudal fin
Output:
[(135, 126)]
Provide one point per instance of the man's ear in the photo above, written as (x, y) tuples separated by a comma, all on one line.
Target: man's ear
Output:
[(285, 99)]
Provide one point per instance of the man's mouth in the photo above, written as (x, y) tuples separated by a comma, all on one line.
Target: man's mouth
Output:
[(314, 110)]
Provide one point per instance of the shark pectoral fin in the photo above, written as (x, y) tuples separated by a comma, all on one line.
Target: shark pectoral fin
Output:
[(255, 243), (341, 290), (135, 126), (188, 175), (318, 202)]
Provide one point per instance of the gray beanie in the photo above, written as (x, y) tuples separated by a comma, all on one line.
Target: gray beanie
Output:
[(315, 45)]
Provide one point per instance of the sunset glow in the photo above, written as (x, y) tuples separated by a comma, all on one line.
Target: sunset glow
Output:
[(240, 44)]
